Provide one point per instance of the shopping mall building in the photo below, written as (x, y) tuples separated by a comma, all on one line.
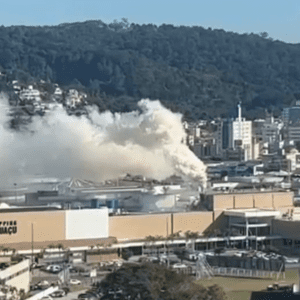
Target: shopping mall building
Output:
[(257, 219)]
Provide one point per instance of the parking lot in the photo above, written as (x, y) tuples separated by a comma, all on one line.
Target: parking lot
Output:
[(80, 274)]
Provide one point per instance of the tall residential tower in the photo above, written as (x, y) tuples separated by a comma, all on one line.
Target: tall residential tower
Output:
[(235, 136)]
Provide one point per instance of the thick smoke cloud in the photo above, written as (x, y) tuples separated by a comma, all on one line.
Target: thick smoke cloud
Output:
[(98, 147)]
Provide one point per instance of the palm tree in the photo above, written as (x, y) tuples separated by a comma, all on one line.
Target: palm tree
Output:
[(190, 235), (100, 245), (114, 240), (51, 246), (67, 254), (5, 250), (177, 234), (150, 240), (60, 246)]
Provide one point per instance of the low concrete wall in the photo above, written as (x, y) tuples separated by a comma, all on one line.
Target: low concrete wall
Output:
[(101, 257)]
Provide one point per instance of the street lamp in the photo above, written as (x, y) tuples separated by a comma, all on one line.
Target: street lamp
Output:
[(15, 192)]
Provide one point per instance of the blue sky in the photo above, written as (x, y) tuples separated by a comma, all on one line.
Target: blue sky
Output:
[(281, 19)]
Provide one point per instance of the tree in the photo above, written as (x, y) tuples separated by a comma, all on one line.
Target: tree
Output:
[(22, 294), (150, 240), (51, 246), (100, 245), (151, 281), (5, 250), (190, 235), (264, 34), (60, 246), (216, 292)]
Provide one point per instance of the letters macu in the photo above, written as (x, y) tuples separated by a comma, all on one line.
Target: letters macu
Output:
[(8, 227)]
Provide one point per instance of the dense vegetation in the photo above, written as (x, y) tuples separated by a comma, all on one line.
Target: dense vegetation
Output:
[(151, 282), (191, 69)]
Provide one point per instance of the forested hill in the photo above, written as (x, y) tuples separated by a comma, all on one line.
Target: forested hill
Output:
[(190, 69)]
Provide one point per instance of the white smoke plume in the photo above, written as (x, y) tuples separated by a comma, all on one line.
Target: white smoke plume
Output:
[(98, 147)]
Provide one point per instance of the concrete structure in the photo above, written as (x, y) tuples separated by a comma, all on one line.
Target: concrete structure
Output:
[(30, 94), (48, 225), (139, 226), (86, 224), (293, 158), (293, 132), (248, 199), (253, 213), (235, 135), (254, 223), (291, 115), (269, 134), (17, 275)]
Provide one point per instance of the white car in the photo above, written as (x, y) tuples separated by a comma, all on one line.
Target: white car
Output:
[(54, 268), (179, 266), (44, 282), (238, 254), (75, 282)]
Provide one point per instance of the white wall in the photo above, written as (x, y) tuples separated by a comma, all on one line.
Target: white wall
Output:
[(86, 224), (20, 281)]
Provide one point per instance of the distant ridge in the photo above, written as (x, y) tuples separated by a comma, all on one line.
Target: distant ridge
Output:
[(190, 69)]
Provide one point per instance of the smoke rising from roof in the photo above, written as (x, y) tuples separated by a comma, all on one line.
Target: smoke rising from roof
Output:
[(98, 147)]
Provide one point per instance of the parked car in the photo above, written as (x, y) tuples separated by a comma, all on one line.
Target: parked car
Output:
[(153, 259), (66, 290), (72, 270), (53, 268), (87, 296), (43, 283), (179, 266), (75, 282), (59, 293), (34, 287)]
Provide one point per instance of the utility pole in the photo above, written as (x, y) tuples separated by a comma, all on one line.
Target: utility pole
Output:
[(15, 192), (32, 243), (289, 167)]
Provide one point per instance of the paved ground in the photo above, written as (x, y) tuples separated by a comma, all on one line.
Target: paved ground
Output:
[(72, 295)]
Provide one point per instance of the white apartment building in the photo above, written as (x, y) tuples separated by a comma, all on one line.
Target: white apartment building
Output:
[(236, 134), (30, 94), (269, 133), (293, 133)]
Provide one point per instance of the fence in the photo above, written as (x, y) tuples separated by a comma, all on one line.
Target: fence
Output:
[(250, 263), (238, 272)]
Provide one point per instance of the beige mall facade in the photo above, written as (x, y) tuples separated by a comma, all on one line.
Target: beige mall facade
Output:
[(43, 226)]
